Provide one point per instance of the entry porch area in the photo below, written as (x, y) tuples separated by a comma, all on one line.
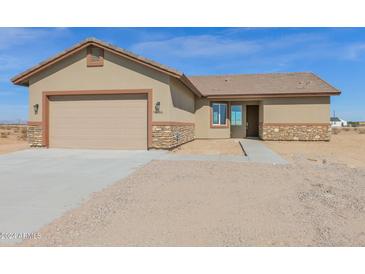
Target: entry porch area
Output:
[(241, 119)]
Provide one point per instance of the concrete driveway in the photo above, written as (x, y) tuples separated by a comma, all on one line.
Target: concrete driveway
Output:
[(39, 185)]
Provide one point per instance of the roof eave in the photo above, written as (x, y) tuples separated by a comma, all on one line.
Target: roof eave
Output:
[(270, 95), (185, 80), (23, 78)]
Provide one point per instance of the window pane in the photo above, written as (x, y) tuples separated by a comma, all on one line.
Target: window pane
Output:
[(236, 115), (233, 117), (215, 114), (223, 108)]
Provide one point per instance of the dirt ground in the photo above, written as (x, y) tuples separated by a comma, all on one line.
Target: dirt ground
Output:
[(190, 203), (211, 147), (347, 147), (12, 138)]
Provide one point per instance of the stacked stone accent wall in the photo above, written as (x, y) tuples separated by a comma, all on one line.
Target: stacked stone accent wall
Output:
[(170, 136), (35, 136), (292, 132)]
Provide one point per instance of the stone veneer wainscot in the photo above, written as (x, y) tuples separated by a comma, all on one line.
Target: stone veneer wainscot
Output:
[(35, 135), (170, 136), (295, 132)]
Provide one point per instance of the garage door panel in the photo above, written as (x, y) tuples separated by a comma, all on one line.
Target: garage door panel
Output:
[(101, 116), (98, 121), (98, 111)]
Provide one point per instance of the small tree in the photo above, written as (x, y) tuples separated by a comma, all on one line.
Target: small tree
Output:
[(353, 124)]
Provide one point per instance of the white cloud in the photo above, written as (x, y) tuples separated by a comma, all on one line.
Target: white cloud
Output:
[(354, 51), (282, 50), (10, 62), (10, 37), (196, 46), (277, 52), (294, 40)]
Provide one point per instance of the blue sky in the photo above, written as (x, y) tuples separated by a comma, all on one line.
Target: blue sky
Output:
[(335, 54)]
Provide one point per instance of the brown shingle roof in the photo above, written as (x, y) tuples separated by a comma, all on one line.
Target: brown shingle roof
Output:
[(303, 83)]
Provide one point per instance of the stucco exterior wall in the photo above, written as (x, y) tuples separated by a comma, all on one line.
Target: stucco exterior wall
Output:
[(296, 110), (182, 102), (117, 73), (202, 122), (294, 119)]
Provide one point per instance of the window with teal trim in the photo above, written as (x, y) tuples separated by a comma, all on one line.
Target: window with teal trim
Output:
[(236, 115), (219, 114)]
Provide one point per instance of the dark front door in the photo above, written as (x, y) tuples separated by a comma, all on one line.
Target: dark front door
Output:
[(252, 121)]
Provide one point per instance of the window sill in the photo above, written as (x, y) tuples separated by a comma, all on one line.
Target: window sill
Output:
[(219, 126)]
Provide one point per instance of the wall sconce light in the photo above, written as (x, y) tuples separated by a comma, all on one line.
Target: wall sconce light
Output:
[(35, 108), (157, 107)]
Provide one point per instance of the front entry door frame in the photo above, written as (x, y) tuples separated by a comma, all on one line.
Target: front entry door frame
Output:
[(252, 121)]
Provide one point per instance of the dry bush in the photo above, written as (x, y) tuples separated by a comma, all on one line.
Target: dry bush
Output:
[(346, 129), (3, 135), (23, 135), (361, 130), (336, 131)]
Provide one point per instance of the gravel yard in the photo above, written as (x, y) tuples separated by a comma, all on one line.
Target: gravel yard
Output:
[(11, 145), (189, 203), (13, 138), (347, 147)]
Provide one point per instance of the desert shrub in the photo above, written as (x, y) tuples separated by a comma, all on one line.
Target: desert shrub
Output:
[(346, 129), (23, 135), (336, 131), (3, 135), (361, 130)]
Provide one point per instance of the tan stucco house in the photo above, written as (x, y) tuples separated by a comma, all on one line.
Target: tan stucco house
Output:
[(95, 95)]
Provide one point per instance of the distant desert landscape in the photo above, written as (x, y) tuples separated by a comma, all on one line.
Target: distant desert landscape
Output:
[(13, 138)]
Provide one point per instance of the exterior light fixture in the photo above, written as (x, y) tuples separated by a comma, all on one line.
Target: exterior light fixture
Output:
[(35, 108), (157, 107)]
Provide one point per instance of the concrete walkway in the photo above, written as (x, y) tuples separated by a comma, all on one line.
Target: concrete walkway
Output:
[(259, 153), (201, 157)]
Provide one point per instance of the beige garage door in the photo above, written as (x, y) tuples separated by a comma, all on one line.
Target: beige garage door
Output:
[(98, 121)]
